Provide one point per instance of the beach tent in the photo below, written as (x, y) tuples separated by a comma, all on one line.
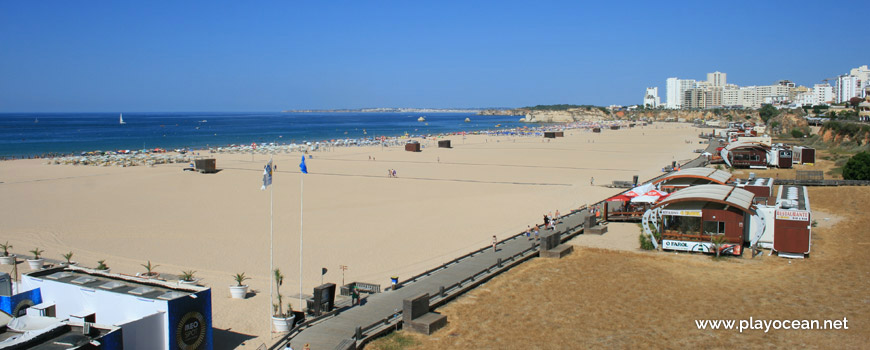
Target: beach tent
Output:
[(650, 197)]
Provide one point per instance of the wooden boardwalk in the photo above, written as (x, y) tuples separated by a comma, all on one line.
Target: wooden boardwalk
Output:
[(382, 311)]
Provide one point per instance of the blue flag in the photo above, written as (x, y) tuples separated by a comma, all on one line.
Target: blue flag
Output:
[(302, 167), (267, 175)]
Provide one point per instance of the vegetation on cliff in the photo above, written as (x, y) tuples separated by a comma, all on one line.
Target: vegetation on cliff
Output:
[(563, 107), (858, 167)]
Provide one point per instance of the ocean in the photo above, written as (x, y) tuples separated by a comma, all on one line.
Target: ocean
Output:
[(27, 134)]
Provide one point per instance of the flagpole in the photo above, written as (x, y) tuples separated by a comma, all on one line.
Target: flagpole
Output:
[(271, 252), (301, 188)]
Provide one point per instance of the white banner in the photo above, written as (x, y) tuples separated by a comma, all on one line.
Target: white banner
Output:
[(793, 215), (703, 247), (687, 246)]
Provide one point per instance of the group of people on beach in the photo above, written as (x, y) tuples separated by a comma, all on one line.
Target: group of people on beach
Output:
[(391, 173)]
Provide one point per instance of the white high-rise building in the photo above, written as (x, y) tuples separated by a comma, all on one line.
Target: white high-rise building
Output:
[(651, 98), (824, 94), (847, 87), (672, 97), (716, 78), (676, 89)]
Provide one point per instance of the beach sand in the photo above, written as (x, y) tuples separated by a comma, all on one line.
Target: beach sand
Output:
[(354, 215)]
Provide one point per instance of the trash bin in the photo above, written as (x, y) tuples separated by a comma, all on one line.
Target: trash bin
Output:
[(394, 281)]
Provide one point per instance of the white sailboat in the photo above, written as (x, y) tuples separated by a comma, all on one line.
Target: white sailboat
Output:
[(122, 119)]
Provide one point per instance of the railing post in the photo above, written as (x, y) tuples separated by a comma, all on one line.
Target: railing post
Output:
[(358, 333), (499, 262), (442, 292)]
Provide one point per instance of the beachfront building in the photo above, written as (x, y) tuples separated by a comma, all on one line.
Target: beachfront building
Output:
[(786, 225), (651, 98), (743, 154), (689, 177), (147, 313), (689, 219)]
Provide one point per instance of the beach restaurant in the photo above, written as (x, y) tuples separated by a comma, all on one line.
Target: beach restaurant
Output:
[(145, 313), (746, 155), (690, 218), (680, 179)]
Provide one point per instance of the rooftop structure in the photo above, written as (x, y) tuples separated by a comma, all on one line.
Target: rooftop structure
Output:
[(152, 314), (691, 177)]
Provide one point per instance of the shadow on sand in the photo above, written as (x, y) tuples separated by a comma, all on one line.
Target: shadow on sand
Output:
[(227, 339)]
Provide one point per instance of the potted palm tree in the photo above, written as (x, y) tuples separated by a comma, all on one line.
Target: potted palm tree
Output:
[(101, 266), (187, 277), (37, 262), (149, 271), (239, 291), (6, 258), (280, 319), (68, 257)]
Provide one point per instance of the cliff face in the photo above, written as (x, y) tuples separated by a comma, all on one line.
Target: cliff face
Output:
[(548, 116)]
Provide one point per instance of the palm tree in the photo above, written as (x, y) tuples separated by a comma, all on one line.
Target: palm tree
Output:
[(68, 257), (37, 253), (240, 277), (149, 269), (718, 241)]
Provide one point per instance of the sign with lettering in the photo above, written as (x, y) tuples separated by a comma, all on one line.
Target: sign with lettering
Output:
[(686, 246), (190, 331), (671, 212), (793, 215), (703, 247)]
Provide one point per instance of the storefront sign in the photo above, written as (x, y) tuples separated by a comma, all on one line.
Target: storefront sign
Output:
[(671, 212), (793, 215)]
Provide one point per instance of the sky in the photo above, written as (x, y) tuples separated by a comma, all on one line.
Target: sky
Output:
[(153, 56)]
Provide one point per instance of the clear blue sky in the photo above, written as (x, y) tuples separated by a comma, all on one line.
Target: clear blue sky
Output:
[(127, 56)]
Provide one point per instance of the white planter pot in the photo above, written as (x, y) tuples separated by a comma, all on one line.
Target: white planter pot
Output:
[(238, 292), (283, 324), (36, 264), (7, 260), (188, 282)]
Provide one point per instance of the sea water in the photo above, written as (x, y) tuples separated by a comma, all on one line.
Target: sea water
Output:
[(24, 134)]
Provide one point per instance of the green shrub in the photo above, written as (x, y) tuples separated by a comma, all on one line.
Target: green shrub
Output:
[(858, 167), (797, 133)]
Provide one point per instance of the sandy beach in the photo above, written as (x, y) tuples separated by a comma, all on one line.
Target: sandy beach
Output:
[(444, 203)]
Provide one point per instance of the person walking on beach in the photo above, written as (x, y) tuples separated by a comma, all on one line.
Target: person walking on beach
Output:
[(394, 173), (558, 215), (494, 242), (537, 233), (529, 232), (592, 181), (389, 172)]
